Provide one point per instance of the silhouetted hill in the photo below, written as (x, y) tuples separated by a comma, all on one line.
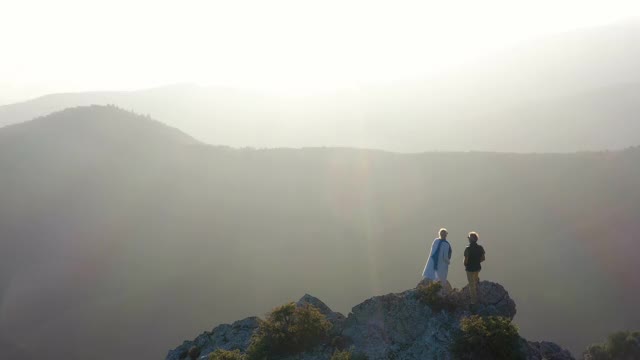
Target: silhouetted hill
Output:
[(121, 239), (572, 92), (90, 124)]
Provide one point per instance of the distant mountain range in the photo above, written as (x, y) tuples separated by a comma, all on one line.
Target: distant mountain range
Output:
[(122, 236), (573, 92)]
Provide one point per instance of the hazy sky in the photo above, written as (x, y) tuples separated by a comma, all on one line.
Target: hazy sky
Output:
[(281, 46)]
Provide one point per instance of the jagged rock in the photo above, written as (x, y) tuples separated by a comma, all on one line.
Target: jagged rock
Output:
[(336, 318), (399, 326), (393, 326), (493, 299), (227, 337), (546, 351), (324, 309)]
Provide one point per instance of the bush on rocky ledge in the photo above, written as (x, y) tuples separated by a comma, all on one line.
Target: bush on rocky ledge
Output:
[(288, 329), (622, 345), (226, 355), (430, 295), (487, 338), (347, 355)]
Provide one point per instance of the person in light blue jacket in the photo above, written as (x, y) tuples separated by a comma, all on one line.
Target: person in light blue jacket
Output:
[(437, 267)]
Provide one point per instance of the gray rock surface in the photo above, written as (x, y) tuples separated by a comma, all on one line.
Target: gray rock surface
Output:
[(493, 300), (546, 351), (227, 337), (399, 326), (324, 309), (393, 326)]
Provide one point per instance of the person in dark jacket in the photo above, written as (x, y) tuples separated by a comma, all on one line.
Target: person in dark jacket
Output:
[(473, 256)]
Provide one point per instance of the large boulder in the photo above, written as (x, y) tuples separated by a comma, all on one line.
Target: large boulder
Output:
[(399, 326), (493, 300)]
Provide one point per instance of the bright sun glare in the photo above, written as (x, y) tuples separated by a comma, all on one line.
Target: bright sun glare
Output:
[(278, 46)]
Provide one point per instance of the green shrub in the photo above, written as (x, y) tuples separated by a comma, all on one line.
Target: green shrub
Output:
[(226, 355), (347, 355), (596, 352), (341, 355), (622, 345), (288, 329), (492, 337), (429, 295)]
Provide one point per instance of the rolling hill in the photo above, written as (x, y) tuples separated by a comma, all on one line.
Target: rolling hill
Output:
[(577, 91)]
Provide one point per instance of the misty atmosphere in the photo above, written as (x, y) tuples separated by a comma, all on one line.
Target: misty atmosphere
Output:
[(146, 200), (578, 91)]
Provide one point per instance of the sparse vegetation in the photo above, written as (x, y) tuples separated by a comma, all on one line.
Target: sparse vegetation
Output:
[(622, 345), (227, 355), (487, 338), (288, 329), (430, 295), (348, 355), (340, 342)]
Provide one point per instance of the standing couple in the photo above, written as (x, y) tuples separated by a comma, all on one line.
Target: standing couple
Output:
[(437, 266)]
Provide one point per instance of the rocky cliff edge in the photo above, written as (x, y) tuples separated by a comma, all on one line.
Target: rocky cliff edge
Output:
[(394, 326)]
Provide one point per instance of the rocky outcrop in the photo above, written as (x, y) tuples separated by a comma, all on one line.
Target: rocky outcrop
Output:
[(228, 337), (399, 326), (393, 326), (493, 300), (546, 351), (334, 317)]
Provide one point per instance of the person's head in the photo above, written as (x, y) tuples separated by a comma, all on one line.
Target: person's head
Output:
[(473, 237), (443, 233)]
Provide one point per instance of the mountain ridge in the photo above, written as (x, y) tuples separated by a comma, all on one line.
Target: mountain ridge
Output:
[(591, 120), (107, 123), (561, 94), (564, 93)]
